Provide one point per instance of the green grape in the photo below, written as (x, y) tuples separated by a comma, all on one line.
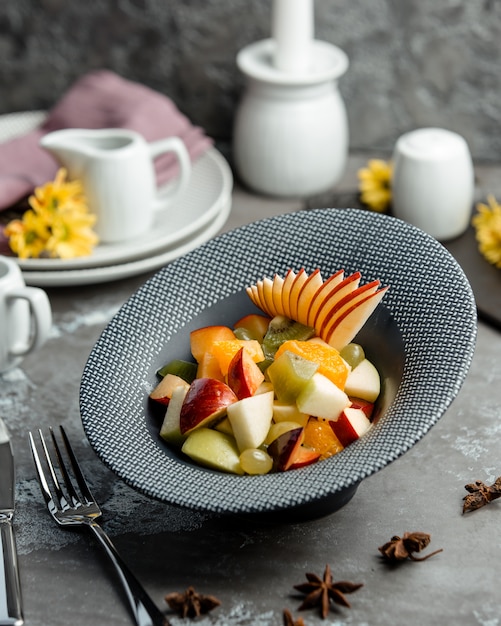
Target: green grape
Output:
[(255, 461), (243, 333), (353, 354)]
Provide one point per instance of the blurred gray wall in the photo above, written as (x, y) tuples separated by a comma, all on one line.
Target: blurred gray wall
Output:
[(412, 62)]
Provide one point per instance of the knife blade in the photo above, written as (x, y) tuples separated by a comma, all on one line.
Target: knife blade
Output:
[(11, 613)]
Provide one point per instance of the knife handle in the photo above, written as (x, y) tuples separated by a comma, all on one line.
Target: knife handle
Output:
[(11, 613)]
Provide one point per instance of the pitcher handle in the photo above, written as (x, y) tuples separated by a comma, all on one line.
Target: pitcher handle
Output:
[(41, 315), (169, 191)]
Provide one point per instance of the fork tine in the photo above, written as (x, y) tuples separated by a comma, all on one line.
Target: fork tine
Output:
[(61, 500), (75, 500), (82, 483), (40, 473)]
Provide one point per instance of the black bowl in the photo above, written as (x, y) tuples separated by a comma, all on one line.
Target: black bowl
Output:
[(421, 339)]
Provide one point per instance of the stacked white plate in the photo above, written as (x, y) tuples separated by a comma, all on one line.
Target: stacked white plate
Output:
[(199, 215)]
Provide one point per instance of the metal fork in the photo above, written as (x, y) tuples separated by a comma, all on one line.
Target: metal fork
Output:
[(74, 511)]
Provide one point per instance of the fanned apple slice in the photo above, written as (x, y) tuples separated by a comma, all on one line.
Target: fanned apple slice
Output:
[(349, 301), (262, 298), (286, 289), (268, 296), (278, 285), (253, 294), (326, 288), (299, 281), (352, 320), (305, 297), (345, 287)]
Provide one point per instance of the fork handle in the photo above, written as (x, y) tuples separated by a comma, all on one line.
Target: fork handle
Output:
[(145, 611)]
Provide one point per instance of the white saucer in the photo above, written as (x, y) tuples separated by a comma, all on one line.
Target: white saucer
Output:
[(210, 188), (108, 273)]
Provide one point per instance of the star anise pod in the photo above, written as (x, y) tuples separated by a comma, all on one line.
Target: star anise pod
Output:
[(320, 592), (290, 621), (480, 494), (401, 548), (190, 603)]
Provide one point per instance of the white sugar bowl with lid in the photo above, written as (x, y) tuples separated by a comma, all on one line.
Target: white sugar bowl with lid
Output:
[(433, 181)]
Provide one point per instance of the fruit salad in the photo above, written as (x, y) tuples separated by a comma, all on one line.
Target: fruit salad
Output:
[(278, 390)]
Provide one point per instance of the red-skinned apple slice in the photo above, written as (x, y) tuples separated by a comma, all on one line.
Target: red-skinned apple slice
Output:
[(303, 457), (165, 388), (366, 406), (244, 375), (297, 285), (205, 403), (352, 320), (283, 448), (286, 290), (305, 297), (321, 293), (351, 425), (347, 286), (347, 302)]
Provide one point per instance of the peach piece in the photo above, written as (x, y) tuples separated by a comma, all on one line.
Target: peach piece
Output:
[(256, 324), (202, 339)]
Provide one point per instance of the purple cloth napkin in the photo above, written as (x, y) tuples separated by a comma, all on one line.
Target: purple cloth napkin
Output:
[(100, 99)]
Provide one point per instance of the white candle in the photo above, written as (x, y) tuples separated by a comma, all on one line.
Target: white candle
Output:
[(292, 30)]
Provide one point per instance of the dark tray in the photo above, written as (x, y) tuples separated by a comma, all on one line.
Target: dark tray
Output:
[(484, 278)]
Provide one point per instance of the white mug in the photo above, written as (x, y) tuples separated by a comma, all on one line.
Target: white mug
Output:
[(117, 172), (25, 316), (433, 182)]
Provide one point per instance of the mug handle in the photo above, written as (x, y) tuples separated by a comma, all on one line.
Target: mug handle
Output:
[(169, 191), (40, 313)]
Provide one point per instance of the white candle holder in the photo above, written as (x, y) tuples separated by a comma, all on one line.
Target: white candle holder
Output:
[(291, 131)]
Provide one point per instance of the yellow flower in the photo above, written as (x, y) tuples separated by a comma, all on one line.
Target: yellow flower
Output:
[(72, 235), (27, 237), (487, 224), (375, 185), (57, 225)]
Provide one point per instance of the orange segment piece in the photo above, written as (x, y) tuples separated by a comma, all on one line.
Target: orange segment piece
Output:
[(224, 351), (319, 436), (330, 362)]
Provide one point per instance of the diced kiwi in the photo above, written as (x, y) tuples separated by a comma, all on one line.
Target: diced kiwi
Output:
[(281, 329), (289, 374), (186, 370)]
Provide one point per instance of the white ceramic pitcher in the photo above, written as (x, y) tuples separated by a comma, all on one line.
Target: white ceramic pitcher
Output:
[(116, 169)]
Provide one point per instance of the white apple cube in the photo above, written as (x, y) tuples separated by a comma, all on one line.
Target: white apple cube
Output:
[(250, 420), (364, 382), (322, 398), (170, 430), (289, 413)]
